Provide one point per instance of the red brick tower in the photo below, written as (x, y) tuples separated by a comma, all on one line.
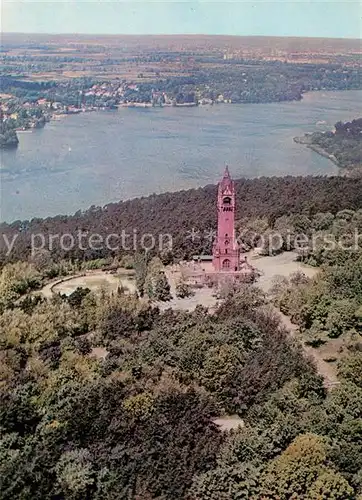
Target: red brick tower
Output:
[(226, 252)]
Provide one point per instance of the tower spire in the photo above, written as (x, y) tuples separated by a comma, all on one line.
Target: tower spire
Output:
[(226, 172)]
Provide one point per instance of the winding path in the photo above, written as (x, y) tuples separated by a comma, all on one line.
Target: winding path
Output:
[(90, 279), (324, 369)]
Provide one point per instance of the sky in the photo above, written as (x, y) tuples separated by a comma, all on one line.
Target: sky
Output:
[(313, 18)]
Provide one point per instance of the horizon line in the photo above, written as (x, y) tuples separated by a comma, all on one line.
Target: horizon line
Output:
[(177, 34)]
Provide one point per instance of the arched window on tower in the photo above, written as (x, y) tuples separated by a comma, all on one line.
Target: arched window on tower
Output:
[(226, 264), (227, 204)]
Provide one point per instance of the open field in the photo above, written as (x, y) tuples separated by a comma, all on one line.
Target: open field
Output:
[(95, 281), (128, 56), (283, 264), (197, 43)]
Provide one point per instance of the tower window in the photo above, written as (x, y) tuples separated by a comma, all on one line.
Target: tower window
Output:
[(227, 200), (226, 264)]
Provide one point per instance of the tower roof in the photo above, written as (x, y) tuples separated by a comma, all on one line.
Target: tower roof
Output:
[(226, 184), (226, 173)]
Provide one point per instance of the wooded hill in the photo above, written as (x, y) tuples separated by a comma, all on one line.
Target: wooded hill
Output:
[(138, 424), (106, 397), (178, 213)]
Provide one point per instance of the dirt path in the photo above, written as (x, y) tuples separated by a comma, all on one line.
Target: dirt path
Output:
[(326, 370), (284, 264), (94, 280), (47, 290)]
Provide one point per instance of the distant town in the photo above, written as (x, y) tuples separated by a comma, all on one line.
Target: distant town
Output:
[(45, 79)]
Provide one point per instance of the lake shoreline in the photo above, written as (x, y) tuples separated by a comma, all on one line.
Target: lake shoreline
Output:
[(305, 140), (54, 115), (100, 158), (339, 146)]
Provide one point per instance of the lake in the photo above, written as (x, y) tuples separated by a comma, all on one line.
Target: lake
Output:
[(101, 157)]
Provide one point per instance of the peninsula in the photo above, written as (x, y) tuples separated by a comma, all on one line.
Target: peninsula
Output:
[(343, 146)]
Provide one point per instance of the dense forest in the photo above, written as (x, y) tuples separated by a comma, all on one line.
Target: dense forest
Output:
[(179, 213), (344, 144), (105, 396), (251, 82)]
